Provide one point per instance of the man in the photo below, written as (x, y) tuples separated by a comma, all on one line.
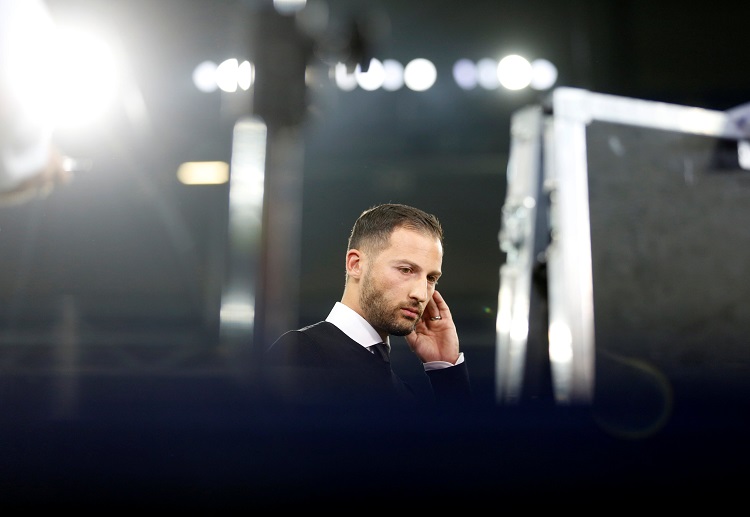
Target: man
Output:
[(393, 263)]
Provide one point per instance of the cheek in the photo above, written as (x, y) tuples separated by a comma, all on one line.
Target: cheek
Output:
[(390, 282), (393, 284), (380, 280)]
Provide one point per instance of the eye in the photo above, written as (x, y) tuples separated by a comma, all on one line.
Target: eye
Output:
[(432, 279), (405, 270)]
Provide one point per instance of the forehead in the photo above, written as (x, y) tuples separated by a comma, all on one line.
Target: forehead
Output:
[(422, 249)]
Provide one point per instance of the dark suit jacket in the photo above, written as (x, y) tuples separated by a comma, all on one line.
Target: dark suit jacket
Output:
[(319, 364)]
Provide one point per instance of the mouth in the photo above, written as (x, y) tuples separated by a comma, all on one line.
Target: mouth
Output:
[(411, 313)]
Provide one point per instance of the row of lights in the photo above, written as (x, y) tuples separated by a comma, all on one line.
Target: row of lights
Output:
[(92, 64), (92, 68), (513, 72)]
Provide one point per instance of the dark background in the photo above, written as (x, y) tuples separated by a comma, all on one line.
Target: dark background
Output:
[(116, 385)]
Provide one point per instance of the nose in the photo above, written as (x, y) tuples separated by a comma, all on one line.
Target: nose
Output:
[(420, 290)]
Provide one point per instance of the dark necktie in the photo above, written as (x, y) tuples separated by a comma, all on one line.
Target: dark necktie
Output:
[(381, 349)]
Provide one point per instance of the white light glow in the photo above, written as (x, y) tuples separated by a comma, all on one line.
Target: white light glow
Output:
[(69, 79), (247, 177), (504, 313), (373, 78), (226, 75), (394, 75), (204, 77), (203, 173), (465, 74), (519, 330), (92, 62), (237, 312), (543, 74), (344, 80), (487, 74), (289, 6), (245, 75), (514, 72), (229, 76), (420, 74), (560, 343)]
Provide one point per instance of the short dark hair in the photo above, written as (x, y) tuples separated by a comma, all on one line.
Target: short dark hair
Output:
[(373, 228)]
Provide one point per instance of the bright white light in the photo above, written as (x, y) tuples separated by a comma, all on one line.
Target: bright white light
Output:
[(58, 76), (373, 78), (226, 75), (394, 75), (27, 64), (245, 75), (69, 79), (88, 70), (520, 328), (203, 173), (543, 74), (465, 74), (487, 74), (204, 77), (514, 72), (237, 312), (560, 343), (344, 80), (288, 6), (504, 313), (420, 74)]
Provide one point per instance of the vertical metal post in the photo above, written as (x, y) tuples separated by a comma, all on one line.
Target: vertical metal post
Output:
[(517, 241), (237, 319)]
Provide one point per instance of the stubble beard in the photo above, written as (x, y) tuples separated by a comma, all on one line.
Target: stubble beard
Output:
[(378, 311)]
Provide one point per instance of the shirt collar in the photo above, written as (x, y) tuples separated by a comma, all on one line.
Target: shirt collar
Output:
[(354, 325)]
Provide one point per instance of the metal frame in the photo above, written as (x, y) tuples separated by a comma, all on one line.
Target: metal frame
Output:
[(562, 139)]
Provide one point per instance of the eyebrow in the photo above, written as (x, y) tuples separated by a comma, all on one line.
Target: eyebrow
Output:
[(416, 266)]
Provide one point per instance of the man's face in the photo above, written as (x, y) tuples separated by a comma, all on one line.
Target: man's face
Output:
[(398, 283)]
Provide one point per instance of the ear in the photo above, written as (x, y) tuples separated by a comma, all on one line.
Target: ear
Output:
[(354, 263)]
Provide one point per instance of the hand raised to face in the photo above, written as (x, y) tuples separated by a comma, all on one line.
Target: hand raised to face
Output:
[(435, 338)]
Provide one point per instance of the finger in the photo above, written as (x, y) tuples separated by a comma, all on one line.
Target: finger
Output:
[(430, 311), (442, 308)]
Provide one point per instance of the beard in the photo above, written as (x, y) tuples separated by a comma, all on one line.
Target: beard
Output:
[(380, 313)]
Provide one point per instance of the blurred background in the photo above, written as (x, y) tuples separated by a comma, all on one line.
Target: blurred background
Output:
[(118, 290)]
